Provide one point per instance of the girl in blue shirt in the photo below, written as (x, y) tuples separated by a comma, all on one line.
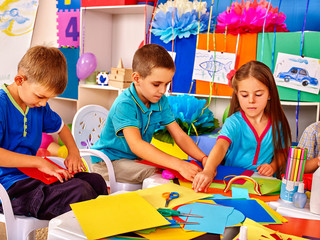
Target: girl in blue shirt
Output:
[(256, 135)]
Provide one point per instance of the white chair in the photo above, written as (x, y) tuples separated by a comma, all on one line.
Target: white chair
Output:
[(18, 227), (86, 128)]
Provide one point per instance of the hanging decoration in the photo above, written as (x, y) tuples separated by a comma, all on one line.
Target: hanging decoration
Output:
[(189, 114), (180, 18), (251, 17)]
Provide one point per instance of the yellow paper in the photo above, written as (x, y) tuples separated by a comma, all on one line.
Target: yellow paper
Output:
[(172, 234), (116, 214), (255, 231), (154, 195)]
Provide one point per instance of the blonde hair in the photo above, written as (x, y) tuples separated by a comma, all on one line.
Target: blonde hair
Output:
[(46, 66), (151, 56), (274, 110)]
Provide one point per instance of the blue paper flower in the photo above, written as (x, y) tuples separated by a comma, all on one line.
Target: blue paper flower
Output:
[(169, 25), (188, 110)]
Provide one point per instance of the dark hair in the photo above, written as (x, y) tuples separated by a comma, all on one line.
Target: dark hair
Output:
[(46, 66), (262, 73), (151, 56)]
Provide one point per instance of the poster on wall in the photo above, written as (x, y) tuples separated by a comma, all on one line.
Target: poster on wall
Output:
[(210, 65), (17, 19), (300, 73)]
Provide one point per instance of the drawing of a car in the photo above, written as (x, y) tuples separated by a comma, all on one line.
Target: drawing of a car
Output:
[(300, 75)]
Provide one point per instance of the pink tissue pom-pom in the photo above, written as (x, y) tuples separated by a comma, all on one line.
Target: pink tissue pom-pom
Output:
[(249, 17), (166, 174)]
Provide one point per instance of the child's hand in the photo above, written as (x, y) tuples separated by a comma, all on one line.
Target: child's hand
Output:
[(203, 180), (53, 170), (188, 170), (74, 164), (266, 170)]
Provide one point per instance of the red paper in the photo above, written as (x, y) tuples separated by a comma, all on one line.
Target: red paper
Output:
[(37, 174)]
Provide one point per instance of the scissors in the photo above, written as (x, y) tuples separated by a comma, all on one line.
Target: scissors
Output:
[(174, 222), (173, 213), (169, 196)]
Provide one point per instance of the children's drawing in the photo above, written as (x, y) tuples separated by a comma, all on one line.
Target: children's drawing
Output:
[(300, 73), (17, 19), (209, 65)]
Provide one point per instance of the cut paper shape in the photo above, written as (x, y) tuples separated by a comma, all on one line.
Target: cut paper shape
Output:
[(172, 234), (300, 73), (154, 195), (116, 214), (250, 208), (240, 193), (214, 217), (256, 231), (225, 173), (209, 64)]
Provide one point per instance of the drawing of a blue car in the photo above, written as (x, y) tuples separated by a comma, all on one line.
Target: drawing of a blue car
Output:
[(300, 75)]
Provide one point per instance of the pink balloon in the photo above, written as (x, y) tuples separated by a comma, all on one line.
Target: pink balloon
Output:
[(86, 65)]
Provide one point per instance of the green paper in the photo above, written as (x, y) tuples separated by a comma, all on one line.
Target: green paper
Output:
[(290, 42)]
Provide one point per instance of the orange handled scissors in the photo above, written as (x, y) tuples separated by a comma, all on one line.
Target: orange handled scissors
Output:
[(169, 196)]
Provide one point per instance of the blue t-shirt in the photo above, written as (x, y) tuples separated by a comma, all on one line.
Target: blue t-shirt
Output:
[(129, 111), (247, 149), (21, 132)]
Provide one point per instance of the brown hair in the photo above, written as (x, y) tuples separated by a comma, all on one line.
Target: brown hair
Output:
[(151, 56), (46, 66), (274, 110)]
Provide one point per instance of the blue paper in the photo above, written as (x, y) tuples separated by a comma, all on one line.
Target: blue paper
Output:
[(250, 208), (240, 193), (214, 217)]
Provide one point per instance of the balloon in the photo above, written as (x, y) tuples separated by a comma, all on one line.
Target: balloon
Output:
[(86, 65)]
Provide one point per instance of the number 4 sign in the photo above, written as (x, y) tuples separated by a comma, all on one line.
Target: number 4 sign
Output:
[(68, 28)]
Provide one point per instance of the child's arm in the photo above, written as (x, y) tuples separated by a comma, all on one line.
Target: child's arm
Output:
[(203, 179), (185, 142), (148, 152), (73, 161), (12, 159), (312, 164), (269, 169)]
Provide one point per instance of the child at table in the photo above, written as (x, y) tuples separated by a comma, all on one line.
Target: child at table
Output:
[(310, 139), (256, 135), (24, 115), (134, 116)]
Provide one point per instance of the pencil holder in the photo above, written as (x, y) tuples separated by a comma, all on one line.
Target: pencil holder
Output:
[(288, 188)]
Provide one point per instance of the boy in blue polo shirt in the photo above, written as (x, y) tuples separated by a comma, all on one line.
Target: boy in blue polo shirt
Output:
[(24, 115), (134, 116)]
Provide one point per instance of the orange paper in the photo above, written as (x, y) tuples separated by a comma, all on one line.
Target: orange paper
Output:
[(228, 44)]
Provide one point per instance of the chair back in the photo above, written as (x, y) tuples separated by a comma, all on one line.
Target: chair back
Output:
[(87, 125)]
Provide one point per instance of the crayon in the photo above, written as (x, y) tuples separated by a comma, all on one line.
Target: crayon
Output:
[(303, 164), (288, 164)]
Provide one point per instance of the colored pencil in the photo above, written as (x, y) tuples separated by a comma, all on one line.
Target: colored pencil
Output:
[(300, 165), (288, 164), (297, 164)]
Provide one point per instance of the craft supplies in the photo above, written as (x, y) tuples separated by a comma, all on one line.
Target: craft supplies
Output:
[(299, 198), (294, 173), (169, 196)]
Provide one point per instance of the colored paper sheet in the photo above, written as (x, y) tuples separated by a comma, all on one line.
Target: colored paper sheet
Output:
[(214, 218), (257, 231), (154, 195), (272, 212), (250, 208), (229, 45), (172, 234), (240, 193), (116, 214), (311, 48)]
